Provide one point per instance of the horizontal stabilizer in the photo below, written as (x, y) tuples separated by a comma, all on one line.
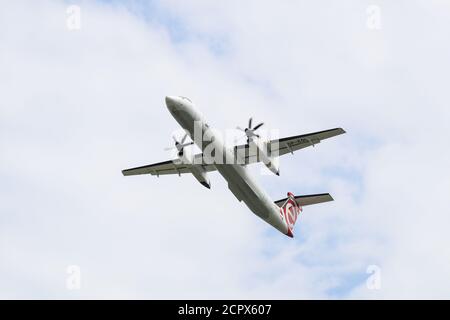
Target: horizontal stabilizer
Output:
[(308, 199)]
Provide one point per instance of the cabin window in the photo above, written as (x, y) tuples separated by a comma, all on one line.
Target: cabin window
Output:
[(185, 98)]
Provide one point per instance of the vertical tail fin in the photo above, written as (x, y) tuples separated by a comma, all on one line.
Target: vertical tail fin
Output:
[(290, 210)]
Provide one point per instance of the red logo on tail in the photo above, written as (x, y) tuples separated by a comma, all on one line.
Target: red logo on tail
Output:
[(291, 211)]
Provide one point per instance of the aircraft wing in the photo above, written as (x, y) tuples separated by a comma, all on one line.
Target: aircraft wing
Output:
[(286, 145), (243, 154), (166, 167)]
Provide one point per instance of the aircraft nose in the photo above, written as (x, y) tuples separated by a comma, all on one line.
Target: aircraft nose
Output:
[(170, 100), (177, 104), (172, 103)]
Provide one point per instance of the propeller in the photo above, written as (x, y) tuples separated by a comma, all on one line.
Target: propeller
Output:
[(180, 145), (250, 131)]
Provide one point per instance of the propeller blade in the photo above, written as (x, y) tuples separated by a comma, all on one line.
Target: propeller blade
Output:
[(250, 123), (239, 128), (258, 126), (187, 144), (184, 138), (179, 145)]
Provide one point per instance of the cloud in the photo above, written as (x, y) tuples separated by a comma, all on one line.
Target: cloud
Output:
[(78, 106)]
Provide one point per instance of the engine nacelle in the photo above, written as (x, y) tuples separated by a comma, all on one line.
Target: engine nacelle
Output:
[(197, 171), (201, 175), (272, 163)]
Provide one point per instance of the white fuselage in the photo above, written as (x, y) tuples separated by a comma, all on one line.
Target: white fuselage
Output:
[(239, 181)]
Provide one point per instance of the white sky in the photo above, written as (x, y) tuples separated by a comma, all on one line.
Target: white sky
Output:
[(77, 107)]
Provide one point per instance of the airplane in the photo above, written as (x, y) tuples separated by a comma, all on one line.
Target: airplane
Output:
[(281, 214)]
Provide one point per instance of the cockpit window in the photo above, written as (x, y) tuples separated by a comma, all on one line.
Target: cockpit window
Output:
[(186, 99)]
